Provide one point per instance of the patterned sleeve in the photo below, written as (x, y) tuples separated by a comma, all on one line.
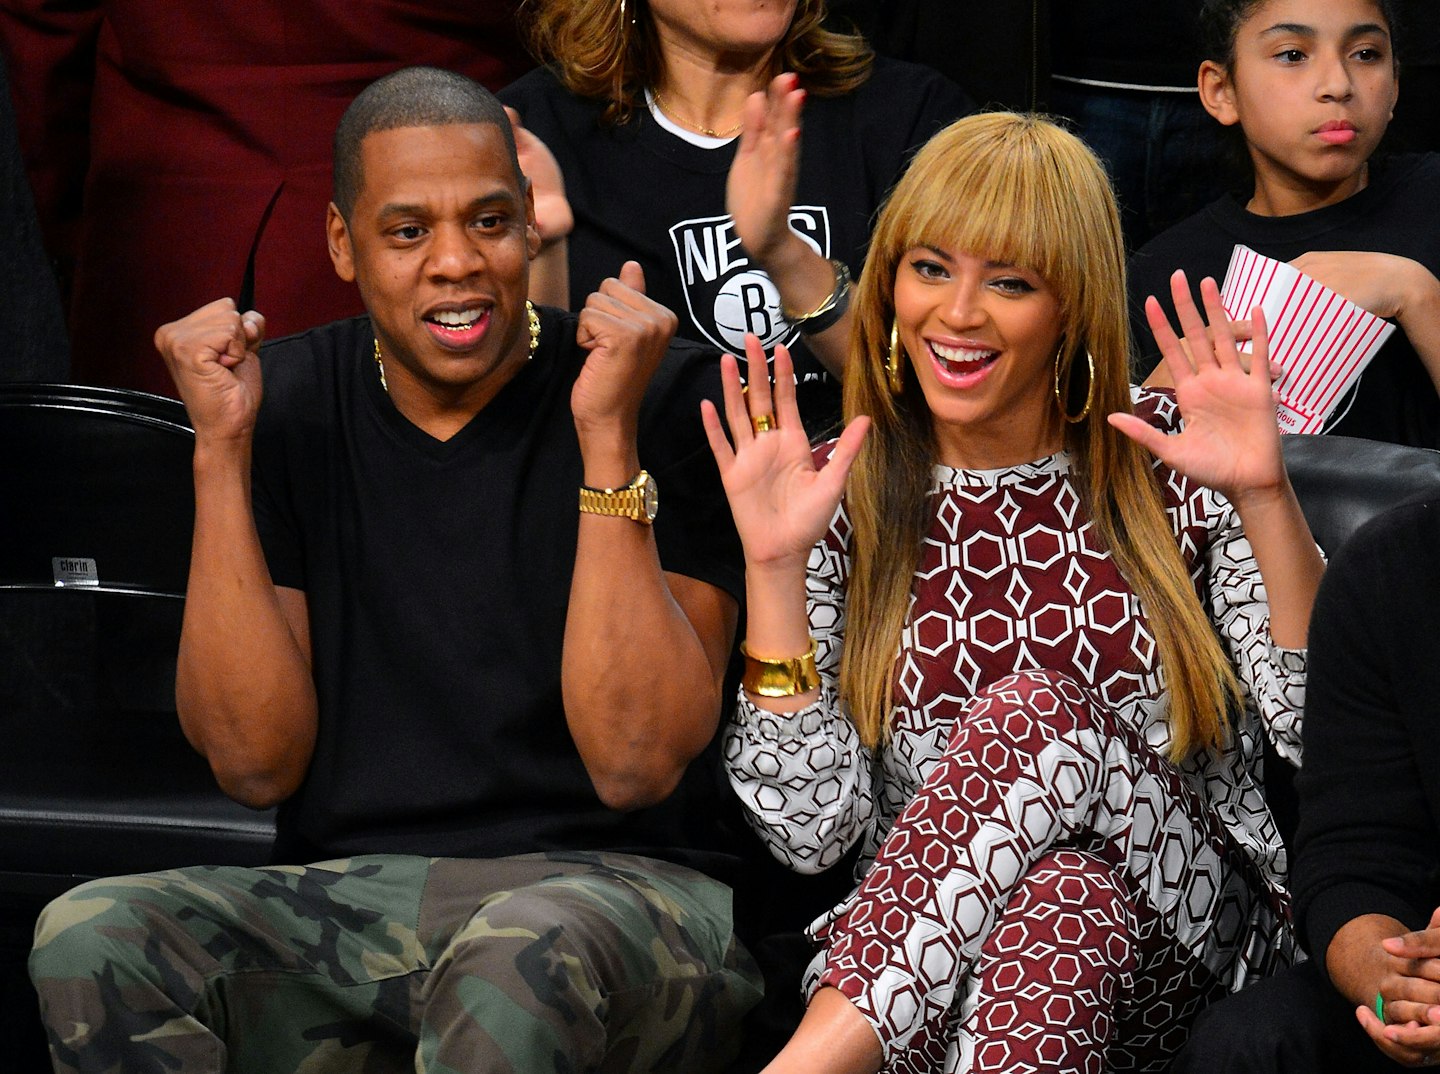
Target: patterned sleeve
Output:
[(805, 778), (1211, 538), (1273, 677)]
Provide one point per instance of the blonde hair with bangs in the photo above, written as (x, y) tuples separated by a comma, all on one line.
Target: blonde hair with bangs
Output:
[(1020, 190), (600, 53)]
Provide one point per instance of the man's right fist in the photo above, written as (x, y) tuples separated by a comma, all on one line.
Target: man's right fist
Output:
[(213, 357)]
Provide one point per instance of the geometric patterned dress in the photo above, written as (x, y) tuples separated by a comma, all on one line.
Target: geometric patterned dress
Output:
[(1039, 887)]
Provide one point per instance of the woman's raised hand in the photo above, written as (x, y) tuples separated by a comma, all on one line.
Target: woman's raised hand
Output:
[(1231, 440), (781, 502), (762, 178)]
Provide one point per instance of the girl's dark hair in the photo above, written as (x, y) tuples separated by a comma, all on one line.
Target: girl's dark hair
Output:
[(1220, 22)]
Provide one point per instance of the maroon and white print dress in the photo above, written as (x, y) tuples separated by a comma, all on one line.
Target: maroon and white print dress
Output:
[(1039, 887)]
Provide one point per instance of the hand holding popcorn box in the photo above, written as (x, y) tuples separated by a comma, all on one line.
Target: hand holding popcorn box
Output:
[(1320, 339)]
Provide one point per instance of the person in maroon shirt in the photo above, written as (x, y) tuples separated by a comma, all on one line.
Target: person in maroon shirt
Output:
[(1024, 651), (144, 124)]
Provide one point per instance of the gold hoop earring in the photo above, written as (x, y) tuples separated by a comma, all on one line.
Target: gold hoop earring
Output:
[(1075, 419), (622, 33), (894, 362)]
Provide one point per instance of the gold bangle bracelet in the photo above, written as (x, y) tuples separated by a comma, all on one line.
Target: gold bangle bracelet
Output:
[(831, 308), (765, 677)]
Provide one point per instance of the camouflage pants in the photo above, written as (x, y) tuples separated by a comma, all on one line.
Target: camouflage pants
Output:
[(542, 962)]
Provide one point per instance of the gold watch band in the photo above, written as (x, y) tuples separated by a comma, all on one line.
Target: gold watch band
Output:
[(624, 501), (637, 500)]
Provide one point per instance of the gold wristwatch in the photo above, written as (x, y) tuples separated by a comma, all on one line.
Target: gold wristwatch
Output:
[(640, 500)]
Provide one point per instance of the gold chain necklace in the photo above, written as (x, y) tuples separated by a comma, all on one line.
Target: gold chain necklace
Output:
[(709, 132), (530, 313)]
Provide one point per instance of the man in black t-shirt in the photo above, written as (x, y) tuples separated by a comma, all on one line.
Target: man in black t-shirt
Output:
[(475, 705), (1367, 856)]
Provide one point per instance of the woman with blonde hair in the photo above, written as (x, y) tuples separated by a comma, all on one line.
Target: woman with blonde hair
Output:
[(675, 132), (1023, 663)]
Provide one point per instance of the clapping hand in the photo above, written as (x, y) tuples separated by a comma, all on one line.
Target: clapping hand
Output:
[(763, 175), (781, 502), (554, 218), (1231, 440)]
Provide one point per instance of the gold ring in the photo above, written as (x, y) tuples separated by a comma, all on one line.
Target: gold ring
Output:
[(763, 423)]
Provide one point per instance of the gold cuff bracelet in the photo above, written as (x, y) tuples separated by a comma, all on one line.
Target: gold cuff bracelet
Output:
[(793, 675)]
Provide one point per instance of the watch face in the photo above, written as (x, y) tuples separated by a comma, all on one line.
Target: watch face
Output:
[(650, 492)]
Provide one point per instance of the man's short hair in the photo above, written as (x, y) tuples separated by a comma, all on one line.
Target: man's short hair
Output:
[(410, 97)]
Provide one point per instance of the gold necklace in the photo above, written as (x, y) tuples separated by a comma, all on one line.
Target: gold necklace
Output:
[(531, 315), (709, 132)]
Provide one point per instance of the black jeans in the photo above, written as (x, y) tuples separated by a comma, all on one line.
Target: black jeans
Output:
[(1292, 1023)]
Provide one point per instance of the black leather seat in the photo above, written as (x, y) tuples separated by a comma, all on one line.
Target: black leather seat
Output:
[(1343, 482), (95, 776), (96, 509)]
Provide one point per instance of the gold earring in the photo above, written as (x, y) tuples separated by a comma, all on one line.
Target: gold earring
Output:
[(894, 369), (534, 319), (1075, 419), (622, 38)]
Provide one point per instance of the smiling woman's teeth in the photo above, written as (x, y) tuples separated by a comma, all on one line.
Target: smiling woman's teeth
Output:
[(961, 360)]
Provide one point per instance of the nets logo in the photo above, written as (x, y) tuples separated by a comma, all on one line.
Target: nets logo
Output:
[(728, 296)]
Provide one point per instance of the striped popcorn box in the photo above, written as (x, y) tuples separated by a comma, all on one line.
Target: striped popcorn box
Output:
[(1321, 340)]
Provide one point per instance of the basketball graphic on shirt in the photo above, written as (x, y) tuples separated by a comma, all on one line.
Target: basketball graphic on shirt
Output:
[(748, 302), (726, 293)]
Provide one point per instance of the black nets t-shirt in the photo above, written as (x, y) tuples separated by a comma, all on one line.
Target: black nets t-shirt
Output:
[(437, 576), (640, 192)]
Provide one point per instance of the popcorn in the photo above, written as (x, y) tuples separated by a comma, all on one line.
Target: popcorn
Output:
[(1320, 339)]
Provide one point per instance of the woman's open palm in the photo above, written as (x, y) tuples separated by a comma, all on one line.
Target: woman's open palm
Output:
[(780, 501), (1230, 440)]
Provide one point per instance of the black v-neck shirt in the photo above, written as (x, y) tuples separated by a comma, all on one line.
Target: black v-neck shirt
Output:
[(437, 576)]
